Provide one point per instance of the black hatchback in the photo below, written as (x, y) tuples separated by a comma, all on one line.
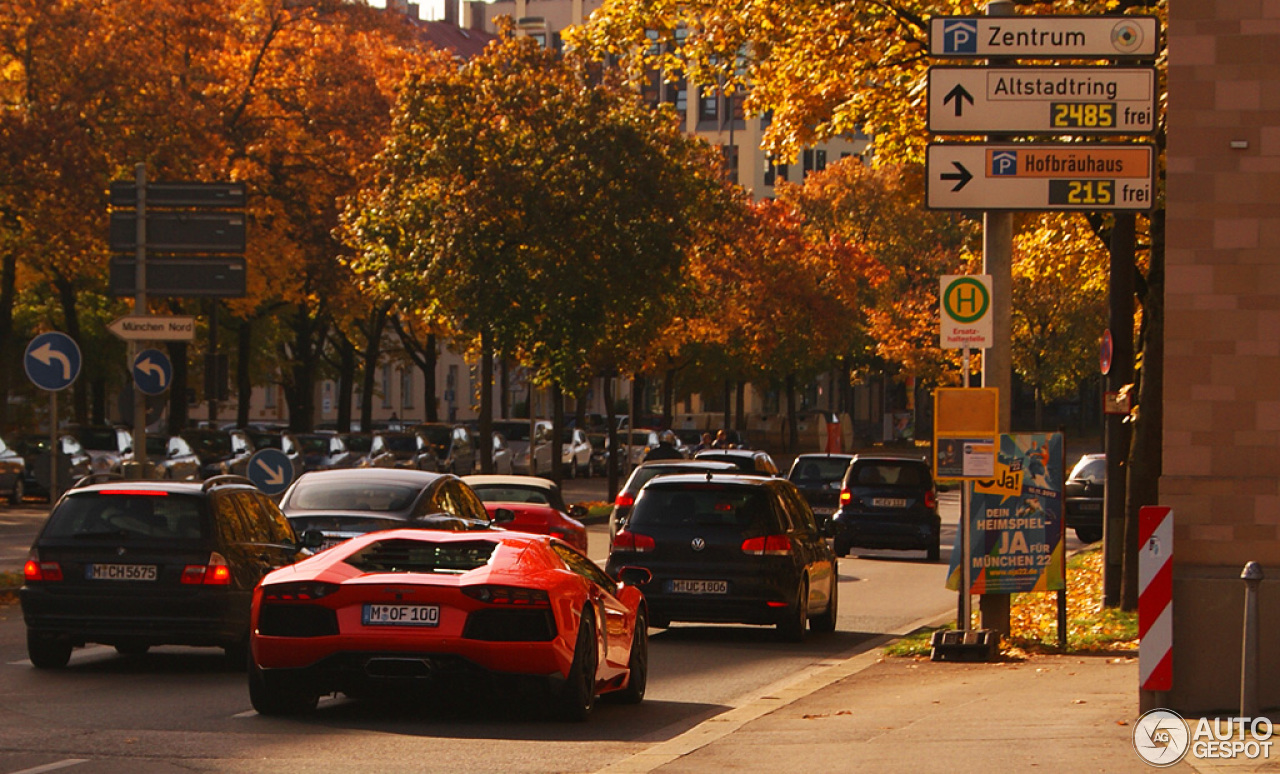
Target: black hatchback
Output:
[(134, 564), (729, 548), (888, 502)]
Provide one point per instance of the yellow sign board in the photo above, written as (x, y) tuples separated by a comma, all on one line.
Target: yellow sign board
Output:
[(966, 424)]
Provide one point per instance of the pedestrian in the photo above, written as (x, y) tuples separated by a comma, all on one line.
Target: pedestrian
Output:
[(666, 448), (722, 440)]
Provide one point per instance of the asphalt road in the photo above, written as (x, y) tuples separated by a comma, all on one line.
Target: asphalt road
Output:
[(179, 709)]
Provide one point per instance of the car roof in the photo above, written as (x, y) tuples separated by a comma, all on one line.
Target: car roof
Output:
[(824, 456), (173, 487), (400, 475), (530, 482), (739, 478), (890, 457), (696, 464)]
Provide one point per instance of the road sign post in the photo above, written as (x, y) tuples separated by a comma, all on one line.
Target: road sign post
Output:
[(52, 362)]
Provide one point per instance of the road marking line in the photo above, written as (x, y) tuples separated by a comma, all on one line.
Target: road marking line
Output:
[(765, 701), (53, 766)]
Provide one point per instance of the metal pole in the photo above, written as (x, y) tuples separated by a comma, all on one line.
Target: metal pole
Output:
[(997, 363), (53, 447), (140, 308), (1252, 577), (966, 568)]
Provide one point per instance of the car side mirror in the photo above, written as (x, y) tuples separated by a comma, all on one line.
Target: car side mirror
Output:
[(634, 576), (312, 539), (578, 511), (503, 516)]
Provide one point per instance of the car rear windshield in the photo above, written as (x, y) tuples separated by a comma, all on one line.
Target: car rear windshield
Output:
[(901, 474), (343, 494), (811, 470), (98, 439), (1094, 470), (514, 431), (400, 443), (703, 505), (111, 515), (401, 555), (511, 494)]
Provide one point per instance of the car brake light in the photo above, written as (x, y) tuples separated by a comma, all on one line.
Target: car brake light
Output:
[(770, 545), (931, 499), (513, 596), (36, 570), (624, 500), (845, 496), (215, 573), (626, 540), (298, 592)]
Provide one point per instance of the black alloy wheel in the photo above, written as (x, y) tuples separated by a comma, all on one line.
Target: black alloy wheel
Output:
[(578, 696)]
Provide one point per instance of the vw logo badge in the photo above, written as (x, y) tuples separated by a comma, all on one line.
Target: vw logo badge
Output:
[(698, 544)]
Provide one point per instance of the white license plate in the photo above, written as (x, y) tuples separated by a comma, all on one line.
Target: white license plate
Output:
[(889, 502), (824, 511), (135, 572), (401, 615), (699, 587), (1090, 507)]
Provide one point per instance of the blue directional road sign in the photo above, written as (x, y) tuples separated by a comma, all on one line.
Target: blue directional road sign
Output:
[(152, 371), (52, 361), (270, 471)]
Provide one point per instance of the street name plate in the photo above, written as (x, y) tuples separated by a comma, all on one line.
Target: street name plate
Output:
[(1042, 100), (125, 194), (222, 276), (1074, 177), (180, 232), (149, 327), (1044, 37)]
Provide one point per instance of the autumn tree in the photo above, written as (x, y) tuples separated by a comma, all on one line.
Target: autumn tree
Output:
[(540, 209)]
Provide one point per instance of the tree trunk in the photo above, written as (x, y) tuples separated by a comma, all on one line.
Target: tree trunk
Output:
[(178, 387), (668, 397), (244, 377), (557, 432), (740, 410), (486, 403), (1145, 459), (346, 380), (611, 435), (71, 319), (430, 357), (372, 348), (728, 404), (8, 348), (793, 430)]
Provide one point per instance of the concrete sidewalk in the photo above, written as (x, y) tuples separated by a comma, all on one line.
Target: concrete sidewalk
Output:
[(875, 714)]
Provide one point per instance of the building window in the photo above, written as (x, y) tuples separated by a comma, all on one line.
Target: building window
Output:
[(406, 387), (730, 153), (708, 105), (775, 173), (386, 385), (814, 160), (269, 396)]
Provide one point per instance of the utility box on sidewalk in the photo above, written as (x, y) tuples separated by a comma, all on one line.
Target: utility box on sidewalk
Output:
[(973, 645)]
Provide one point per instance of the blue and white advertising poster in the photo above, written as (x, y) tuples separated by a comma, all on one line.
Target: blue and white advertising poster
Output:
[(1016, 522)]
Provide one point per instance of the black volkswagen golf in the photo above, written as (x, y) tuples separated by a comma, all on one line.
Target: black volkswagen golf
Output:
[(134, 564), (729, 548)]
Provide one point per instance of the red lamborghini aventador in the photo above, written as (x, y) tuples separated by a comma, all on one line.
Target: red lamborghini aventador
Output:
[(428, 607)]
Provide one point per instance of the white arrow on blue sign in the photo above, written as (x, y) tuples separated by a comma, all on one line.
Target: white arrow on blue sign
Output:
[(271, 471), (52, 361), (152, 371)]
